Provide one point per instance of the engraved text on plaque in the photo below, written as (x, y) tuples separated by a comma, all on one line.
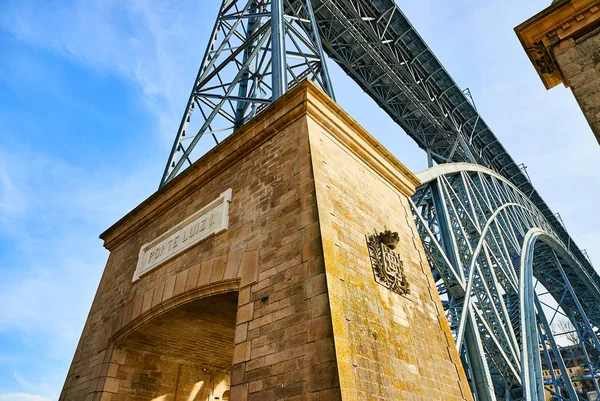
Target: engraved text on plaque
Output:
[(211, 219)]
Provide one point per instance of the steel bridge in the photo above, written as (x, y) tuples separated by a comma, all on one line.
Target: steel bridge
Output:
[(494, 246)]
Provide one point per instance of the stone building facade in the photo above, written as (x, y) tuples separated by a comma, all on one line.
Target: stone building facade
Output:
[(563, 43), (248, 277)]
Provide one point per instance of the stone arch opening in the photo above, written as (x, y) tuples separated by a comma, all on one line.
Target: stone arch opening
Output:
[(183, 354)]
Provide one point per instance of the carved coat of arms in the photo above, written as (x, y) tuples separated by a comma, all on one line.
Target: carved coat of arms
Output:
[(388, 268)]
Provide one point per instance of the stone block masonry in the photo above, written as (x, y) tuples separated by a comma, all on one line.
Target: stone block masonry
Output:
[(563, 44), (282, 304), (579, 63), (388, 347)]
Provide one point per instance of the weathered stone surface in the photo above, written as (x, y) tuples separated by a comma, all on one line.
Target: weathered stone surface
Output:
[(563, 44), (580, 65), (387, 345), (283, 304)]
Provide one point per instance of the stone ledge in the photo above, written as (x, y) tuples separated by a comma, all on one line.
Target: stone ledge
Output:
[(303, 100), (273, 119), (562, 21), (361, 143)]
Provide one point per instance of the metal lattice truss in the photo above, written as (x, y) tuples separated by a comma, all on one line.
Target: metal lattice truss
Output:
[(491, 239), (489, 246), (375, 44), (258, 49)]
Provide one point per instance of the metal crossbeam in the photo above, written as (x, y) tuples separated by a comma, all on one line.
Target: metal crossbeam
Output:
[(490, 238), (257, 50), (375, 44)]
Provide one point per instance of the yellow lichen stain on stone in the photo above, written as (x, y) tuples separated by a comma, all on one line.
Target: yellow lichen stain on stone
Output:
[(386, 345)]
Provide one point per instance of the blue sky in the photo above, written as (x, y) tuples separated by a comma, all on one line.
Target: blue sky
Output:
[(91, 92)]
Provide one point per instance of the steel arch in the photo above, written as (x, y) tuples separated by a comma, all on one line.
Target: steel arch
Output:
[(486, 243), (247, 66), (377, 46)]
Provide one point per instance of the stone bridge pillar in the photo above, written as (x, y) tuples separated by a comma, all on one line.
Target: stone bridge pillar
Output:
[(256, 275)]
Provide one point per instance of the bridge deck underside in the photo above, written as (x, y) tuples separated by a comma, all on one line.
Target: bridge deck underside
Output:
[(375, 44)]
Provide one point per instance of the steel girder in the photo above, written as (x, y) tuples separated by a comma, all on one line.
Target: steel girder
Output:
[(487, 243), (375, 44), (486, 229), (258, 48)]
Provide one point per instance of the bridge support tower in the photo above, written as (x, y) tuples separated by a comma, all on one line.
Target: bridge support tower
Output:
[(253, 275)]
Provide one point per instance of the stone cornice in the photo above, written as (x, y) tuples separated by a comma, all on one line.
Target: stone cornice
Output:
[(274, 118), (563, 20), (362, 144), (306, 99)]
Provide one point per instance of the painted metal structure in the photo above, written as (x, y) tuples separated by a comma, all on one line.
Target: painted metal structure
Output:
[(489, 246), (257, 50), (490, 237)]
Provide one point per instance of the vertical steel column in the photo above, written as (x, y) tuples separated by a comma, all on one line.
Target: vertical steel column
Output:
[(555, 350), (190, 104), (586, 323), (587, 356), (278, 49), (555, 381), (466, 148), (482, 380), (429, 158), (482, 385), (531, 373), (243, 89), (316, 38)]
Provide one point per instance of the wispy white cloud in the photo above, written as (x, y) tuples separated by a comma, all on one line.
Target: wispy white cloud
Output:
[(39, 388), (12, 202), (155, 44), (23, 397), (55, 256), (51, 209), (67, 207)]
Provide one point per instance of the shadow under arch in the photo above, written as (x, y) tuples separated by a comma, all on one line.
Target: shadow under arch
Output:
[(221, 287), (180, 350)]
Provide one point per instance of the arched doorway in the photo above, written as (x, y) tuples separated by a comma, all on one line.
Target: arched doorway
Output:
[(183, 354)]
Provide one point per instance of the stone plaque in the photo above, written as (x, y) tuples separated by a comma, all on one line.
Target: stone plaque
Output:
[(210, 220)]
